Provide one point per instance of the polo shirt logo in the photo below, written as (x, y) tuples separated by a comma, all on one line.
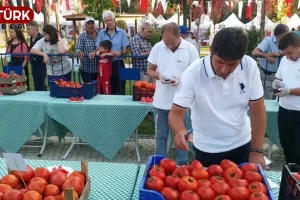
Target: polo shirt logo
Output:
[(242, 87), (180, 61)]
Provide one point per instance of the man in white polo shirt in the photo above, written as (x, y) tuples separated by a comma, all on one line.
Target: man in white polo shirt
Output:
[(167, 61), (219, 88), (287, 83)]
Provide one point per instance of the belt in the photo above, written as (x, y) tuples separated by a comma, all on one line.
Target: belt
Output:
[(267, 72)]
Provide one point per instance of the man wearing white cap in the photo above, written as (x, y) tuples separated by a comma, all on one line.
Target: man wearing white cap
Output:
[(85, 45)]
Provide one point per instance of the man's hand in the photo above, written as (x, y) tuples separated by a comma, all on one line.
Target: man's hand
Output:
[(274, 54), (92, 55), (175, 80), (283, 92), (258, 158), (276, 84), (163, 79), (46, 59), (271, 60), (180, 141), (117, 53), (80, 54)]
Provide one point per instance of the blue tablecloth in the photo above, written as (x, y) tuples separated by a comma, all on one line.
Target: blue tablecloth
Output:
[(104, 122), (109, 181), (21, 115)]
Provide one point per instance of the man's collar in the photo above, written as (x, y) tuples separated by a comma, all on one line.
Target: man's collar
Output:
[(183, 44), (117, 29)]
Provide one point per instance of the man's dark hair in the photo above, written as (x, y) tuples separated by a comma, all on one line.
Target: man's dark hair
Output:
[(289, 39), (170, 27), (230, 43), (106, 44), (280, 29), (293, 29), (50, 30)]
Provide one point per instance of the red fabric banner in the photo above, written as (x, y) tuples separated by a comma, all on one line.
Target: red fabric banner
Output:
[(38, 6), (289, 4), (115, 3), (144, 6), (202, 6), (6, 4), (229, 5), (249, 10), (68, 7)]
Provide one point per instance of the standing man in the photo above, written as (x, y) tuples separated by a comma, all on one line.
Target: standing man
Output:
[(38, 67), (140, 46), (219, 88), (85, 45), (167, 61), (268, 63), (288, 84), (119, 40), (185, 34)]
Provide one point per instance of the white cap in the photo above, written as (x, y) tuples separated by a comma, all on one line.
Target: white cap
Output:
[(87, 19)]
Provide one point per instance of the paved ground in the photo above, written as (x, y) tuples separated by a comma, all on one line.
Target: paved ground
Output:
[(127, 154)]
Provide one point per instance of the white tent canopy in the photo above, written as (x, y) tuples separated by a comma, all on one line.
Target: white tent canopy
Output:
[(149, 18), (62, 20), (256, 22), (39, 18), (174, 18), (294, 21), (231, 21), (205, 22)]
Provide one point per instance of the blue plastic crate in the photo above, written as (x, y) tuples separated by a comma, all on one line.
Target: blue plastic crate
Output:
[(145, 194), (88, 90), (289, 186), (17, 69)]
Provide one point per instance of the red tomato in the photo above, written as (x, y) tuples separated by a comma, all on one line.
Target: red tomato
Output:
[(206, 193), (200, 173), (194, 165), (297, 177), (187, 183), (253, 177), (203, 182), (168, 164), (158, 166), (74, 182), (13, 195), (181, 171), (249, 167), (215, 170), (216, 179), (154, 183), (189, 195), (10, 179), (233, 172), (257, 187), (222, 197), (172, 181), (25, 175), (42, 172), (258, 196), (158, 172), (238, 183), (170, 193), (220, 188), (225, 164), (239, 193)]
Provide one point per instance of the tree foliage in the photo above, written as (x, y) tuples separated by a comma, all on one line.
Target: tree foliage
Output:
[(276, 14), (95, 8)]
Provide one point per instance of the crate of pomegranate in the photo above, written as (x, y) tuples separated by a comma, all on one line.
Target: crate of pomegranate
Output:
[(11, 84), (61, 88), (290, 182), (47, 183), (142, 89), (162, 180)]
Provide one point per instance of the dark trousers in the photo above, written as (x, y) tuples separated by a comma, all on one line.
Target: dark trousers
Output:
[(39, 72), (88, 77), (117, 86), (289, 134), (238, 155)]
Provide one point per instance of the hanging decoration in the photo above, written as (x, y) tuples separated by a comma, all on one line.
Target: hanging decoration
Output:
[(249, 10), (170, 10), (83, 5), (240, 9), (202, 6), (267, 2), (298, 4), (209, 7), (6, 4), (15, 3), (143, 6), (38, 5), (259, 6), (113, 1), (128, 3), (152, 4), (30, 3), (289, 4), (164, 5), (68, 7), (229, 4)]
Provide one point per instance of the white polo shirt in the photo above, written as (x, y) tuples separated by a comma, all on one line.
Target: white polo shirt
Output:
[(289, 73), (170, 64), (219, 107)]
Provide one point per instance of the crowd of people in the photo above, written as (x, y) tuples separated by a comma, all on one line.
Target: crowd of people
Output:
[(218, 88)]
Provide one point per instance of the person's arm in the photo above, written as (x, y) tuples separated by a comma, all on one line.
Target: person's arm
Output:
[(262, 48), (124, 44), (37, 48), (258, 117), (25, 51), (183, 99), (295, 91), (152, 66), (136, 49), (61, 46)]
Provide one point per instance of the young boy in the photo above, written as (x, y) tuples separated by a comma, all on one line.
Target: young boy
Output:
[(104, 67)]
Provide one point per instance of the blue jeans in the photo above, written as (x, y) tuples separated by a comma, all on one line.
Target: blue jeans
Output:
[(162, 134)]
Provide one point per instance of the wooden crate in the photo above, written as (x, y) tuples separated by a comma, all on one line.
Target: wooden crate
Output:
[(69, 195), (12, 81)]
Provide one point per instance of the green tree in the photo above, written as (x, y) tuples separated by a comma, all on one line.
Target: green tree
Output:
[(295, 8), (133, 8), (254, 38), (95, 8)]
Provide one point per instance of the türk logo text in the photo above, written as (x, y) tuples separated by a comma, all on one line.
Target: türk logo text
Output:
[(16, 15)]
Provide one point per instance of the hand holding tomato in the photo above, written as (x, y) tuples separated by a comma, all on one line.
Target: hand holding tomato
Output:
[(257, 158)]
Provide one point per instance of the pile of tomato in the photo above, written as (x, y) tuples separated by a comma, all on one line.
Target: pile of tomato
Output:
[(217, 182), (144, 91), (67, 84), (6, 76)]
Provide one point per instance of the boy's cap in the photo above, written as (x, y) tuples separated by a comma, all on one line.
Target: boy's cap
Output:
[(87, 19), (183, 29)]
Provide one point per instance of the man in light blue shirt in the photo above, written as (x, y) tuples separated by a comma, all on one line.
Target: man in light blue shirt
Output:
[(269, 54), (298, 31), (119, 40)]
